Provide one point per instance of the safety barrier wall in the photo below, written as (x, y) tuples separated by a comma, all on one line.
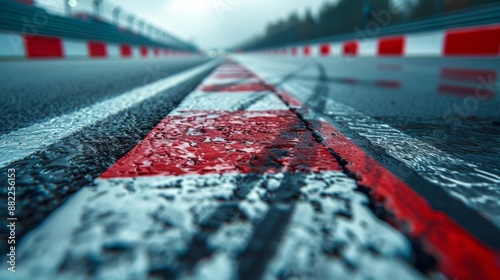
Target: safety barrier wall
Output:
[(18, 46), (33, 21), (481, 40)]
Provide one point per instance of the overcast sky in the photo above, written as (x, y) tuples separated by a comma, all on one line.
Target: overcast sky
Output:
[(216, 23)]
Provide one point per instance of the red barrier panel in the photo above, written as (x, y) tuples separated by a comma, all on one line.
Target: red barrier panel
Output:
[(483, 41), (350, 48), (144, 51), (97, 49), (40, 46), (125, 51), (393, 46), (307, 50), (324, 50)]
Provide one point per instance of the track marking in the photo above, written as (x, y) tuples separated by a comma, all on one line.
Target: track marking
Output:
[(152, 220), (436, 166), (431, 163), (439, 232), (244, 101), (23, 142), (159, 221), (208, 142)]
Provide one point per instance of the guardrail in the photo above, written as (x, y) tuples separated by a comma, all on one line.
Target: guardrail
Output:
[(477, 41), (32, 18), (382, 27)]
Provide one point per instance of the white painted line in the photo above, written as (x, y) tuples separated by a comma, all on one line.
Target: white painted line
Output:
[(57, 229), (464, 180), (301, 250), (231, 101), (213, 80), (76, 230), (152, 217), (26, 141)]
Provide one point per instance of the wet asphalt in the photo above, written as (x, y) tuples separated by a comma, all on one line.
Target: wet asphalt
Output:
[(451, 104), (47, 178), (34, 91)]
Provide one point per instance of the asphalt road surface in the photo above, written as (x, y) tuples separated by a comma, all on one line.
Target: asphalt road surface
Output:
[(404, 107), (33, 91), (433, 123), (59, 88)]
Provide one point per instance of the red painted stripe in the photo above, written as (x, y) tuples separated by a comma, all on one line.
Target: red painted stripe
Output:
[(348, 80), (237, 71), (125, 51), (294, 51), (40, 46), (26, 2), (307, 50), (463, 91), (96, 49), (232, 72), (469, 75), (232, 142), (166, 52), (460, 256), (391, 46), (156, 51), (388, 84), (324, 49), (482, 41), (237, 87), (350, 48), (208, 142), (235, 76), (393, 67), (144, 51)]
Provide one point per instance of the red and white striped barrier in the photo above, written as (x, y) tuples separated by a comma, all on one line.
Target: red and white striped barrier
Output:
[(470, 41), (13, 45)]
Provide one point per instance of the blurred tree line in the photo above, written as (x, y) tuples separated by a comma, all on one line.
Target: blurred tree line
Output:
[(343, 16)]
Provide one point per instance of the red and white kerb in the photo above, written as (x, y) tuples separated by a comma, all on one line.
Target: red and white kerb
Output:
[(234, 123)]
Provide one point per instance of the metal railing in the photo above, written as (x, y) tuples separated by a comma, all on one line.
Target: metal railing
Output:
[(479, 15), (101, 10), (87, 19)]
